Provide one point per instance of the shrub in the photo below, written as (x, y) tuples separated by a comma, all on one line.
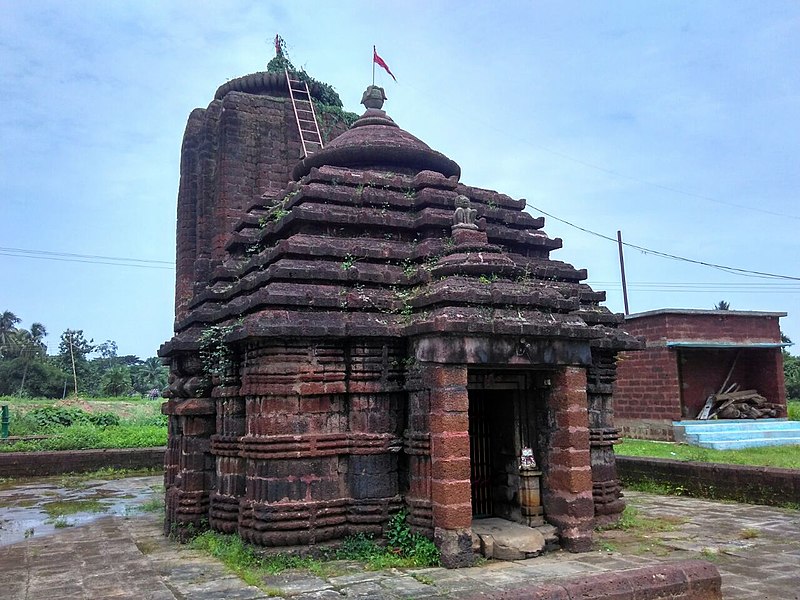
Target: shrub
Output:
[(103, 419), (418, 548), (48, 418)]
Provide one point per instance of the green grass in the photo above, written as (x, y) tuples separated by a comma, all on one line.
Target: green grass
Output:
[(61, 523), (787, 457), (253, 566), (632, 520), (154, 505), (83, 437), (62, 508), (794, 410), (141, 424), (634, 533), (242, 559)]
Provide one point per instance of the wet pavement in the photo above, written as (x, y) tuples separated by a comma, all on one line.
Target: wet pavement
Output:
[(43, 506), (108, 544)]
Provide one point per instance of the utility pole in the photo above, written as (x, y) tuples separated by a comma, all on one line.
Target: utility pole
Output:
[(622, 272), (72, 358)]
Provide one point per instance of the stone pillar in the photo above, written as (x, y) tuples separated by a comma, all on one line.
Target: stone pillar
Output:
[(224, 501), (607, 490), (567, 480), (530, 496), (450, 463), (187, 498), (189, 465)]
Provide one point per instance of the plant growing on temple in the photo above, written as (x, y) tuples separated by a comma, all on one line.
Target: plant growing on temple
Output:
[(403, 542), (348, 262), (215, 353), (324, 92), (327, 103)]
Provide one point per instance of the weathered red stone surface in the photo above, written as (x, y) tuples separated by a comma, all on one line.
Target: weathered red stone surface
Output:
[(341, 314)]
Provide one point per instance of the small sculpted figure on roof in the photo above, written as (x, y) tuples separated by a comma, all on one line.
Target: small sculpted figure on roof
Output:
[(464, 217)]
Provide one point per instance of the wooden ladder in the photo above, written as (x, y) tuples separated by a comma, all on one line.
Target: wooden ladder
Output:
[(304, 115)]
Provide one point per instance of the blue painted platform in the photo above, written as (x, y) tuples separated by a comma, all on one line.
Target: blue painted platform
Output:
[(734, 434)]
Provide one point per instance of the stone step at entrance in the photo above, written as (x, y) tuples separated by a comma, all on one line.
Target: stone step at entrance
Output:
[(505, 540)]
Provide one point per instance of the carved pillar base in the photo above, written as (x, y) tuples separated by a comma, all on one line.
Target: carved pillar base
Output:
[(530, 497)]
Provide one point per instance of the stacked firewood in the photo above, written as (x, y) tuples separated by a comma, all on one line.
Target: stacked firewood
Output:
[(745, 404), (731, 403)]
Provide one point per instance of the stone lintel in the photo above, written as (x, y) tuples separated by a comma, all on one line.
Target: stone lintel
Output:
[(511, 351)]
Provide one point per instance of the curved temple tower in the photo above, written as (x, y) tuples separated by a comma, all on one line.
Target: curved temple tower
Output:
[(359, 333)]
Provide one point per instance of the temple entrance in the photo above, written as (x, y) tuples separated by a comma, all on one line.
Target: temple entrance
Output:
[(480, 454), (503, 410)]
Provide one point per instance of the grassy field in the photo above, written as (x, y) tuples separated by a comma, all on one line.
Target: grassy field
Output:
[(75, 424), (787, 457)]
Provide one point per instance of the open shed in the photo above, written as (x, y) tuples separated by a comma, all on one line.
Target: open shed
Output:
[(691, 355)]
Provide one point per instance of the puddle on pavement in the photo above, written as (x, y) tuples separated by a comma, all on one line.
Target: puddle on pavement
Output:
[(37, 507)]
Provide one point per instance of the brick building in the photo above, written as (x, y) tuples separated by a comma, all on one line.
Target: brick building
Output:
[(358, 332), (688, 355)]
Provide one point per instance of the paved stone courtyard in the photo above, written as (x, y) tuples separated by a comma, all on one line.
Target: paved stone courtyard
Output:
[(124, 555)]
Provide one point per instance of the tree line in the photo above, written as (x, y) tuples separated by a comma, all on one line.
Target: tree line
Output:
[(80, 367)]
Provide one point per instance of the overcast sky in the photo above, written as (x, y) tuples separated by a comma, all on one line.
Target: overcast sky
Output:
[(674, 122)]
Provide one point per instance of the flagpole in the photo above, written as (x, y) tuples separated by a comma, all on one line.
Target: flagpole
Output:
[(373, 66)]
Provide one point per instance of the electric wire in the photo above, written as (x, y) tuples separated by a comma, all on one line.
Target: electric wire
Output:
[(733, 270), (118, 261)]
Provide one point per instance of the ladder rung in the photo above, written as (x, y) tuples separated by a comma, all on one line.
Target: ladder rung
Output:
[(301, 97)]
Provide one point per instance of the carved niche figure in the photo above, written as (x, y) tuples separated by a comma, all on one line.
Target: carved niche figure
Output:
[(464, 217)]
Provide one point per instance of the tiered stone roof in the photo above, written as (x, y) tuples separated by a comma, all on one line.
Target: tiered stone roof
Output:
[(363, 244)]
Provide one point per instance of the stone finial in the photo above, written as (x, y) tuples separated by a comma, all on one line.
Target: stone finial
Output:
[(464, 217), (373, 97)]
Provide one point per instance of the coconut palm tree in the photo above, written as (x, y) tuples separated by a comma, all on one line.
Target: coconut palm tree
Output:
[(149, 375), (8, 332), (38, 333), (31, 347)]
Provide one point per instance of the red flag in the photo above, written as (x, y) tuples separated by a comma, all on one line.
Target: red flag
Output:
[(382, 63)]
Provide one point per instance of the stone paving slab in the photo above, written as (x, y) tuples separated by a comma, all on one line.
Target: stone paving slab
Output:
[(756, 549)]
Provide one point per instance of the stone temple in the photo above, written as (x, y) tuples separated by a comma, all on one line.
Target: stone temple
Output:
[(358, 333)]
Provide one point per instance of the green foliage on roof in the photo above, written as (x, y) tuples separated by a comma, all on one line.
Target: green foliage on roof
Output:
[(324, 92)]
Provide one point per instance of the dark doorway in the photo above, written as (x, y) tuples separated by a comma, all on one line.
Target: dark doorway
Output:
[(502, 421), (480, 451)]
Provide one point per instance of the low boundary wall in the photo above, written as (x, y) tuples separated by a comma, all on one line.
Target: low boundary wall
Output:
[(755, 485), (40, 464)]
